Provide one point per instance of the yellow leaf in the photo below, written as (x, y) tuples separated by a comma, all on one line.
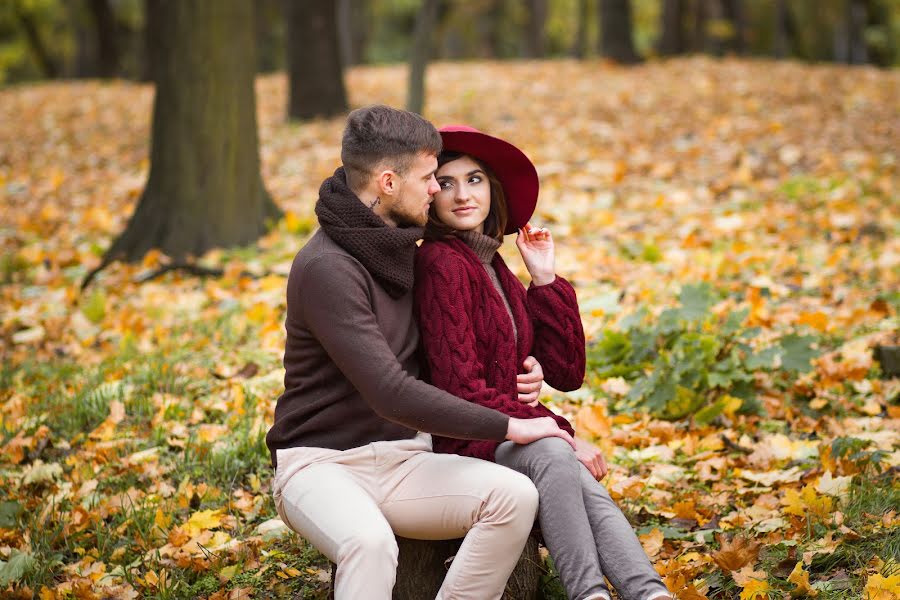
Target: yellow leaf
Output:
[(806, 501), (151, 578), (816, 320), (227, 573), (292, 572), (47, 594), (800, 578), (755, 590), (162, 520), (203, 520), (879, 587)]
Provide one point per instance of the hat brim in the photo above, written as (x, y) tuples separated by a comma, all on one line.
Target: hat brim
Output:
[(515, 171)]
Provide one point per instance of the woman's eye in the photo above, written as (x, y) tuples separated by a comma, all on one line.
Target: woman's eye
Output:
[(444, 184), (475, 179)]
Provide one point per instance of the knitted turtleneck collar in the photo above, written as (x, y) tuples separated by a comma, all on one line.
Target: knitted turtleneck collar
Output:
[(388, 253), (484, 247)]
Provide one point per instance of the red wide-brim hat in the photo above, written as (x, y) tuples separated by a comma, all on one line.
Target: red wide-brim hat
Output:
[(515, 171)]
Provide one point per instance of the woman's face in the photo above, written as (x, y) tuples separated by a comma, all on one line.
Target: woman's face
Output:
[(464, 200)]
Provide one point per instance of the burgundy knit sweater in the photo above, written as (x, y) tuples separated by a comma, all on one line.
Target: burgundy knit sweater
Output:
[(469, 345)]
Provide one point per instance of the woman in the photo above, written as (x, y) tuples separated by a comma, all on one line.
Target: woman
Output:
[(479, 324)]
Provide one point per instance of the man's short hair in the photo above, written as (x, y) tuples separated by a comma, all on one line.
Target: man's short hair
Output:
[(381, 136)]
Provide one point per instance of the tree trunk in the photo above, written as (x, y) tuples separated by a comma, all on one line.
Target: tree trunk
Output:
[(153, 38), (783, 29), (856, 26), (36, 42), (733, 11), (422, 566), (352, 16), (671, 42), (314, 61), (421, 50), (580, 47), (698, 43), (204, 188), (107, 44), (537, 21), (616, 41)]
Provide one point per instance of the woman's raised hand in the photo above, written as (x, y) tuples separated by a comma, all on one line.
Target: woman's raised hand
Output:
[(536, 246), (590, 456)]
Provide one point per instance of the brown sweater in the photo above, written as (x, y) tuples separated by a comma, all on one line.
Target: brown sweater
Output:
[(351, 363)]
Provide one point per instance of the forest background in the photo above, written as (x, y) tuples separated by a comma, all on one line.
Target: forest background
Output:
[(721, 178)]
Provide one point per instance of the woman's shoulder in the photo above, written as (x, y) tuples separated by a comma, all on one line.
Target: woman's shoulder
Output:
[(440, 253)]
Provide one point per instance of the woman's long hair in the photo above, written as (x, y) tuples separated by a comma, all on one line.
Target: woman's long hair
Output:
[(494, 225)]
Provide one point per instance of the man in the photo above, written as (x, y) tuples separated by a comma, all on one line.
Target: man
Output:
[(351, 439)]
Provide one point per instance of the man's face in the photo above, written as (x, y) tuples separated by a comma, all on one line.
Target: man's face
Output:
[(414, 193)]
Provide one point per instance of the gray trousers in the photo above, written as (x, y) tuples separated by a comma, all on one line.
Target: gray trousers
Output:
[(586, 533)]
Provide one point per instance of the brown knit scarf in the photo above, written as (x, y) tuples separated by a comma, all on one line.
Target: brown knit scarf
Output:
[(388, 253)]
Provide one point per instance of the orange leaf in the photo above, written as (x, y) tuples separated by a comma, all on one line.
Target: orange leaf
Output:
[(736, 553)]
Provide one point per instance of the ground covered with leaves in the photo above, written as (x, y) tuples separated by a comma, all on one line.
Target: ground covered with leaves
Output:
[(733, 232)]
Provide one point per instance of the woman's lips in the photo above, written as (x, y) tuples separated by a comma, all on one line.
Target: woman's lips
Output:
[(464, 209)]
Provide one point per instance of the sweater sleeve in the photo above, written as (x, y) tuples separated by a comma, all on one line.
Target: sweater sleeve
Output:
[(558, 333), (335, 305), (444, 308)]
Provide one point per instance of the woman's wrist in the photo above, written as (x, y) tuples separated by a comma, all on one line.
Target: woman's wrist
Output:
[(543, 279)]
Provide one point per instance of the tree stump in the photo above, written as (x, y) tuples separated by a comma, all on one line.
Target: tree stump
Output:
[(423, 564)]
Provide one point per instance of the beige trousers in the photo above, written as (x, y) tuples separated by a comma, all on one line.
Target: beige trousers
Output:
[(349, 504)]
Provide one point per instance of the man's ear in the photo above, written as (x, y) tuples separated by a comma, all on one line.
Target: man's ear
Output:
[(388, 182)]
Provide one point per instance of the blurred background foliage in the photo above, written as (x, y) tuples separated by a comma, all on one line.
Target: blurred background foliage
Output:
[(46, 39)]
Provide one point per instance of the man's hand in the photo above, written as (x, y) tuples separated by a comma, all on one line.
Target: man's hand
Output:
[(529, 383), (525, 431), (590, 456)]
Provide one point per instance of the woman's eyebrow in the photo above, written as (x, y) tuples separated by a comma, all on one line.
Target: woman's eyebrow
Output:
[(474, 172)]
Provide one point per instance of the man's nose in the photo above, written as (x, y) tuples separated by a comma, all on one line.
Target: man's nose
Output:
[(433, 187)]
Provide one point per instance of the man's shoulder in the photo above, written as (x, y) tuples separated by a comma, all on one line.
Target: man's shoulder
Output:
[(321, 252)]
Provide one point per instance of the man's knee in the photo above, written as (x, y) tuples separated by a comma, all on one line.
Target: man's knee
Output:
[(367, 544), (516, 493)]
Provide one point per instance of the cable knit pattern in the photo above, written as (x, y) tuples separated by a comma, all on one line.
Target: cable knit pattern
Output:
[(468, 340)]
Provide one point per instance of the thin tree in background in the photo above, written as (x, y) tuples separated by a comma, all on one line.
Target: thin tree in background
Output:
[(672, 39), (106, 32), (316, 79), (204, 188), (783, 29), (850, 41), (420, 53), (616, 40), (535, 30), (733, 11), (36, 42), (580, 46), (353, 30), (701, 14)]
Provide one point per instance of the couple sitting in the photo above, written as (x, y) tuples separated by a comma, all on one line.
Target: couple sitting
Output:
[(363, 449)]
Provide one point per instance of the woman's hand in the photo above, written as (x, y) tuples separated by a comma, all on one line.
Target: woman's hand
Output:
[(529, 383), (590, 456), (536, 247)]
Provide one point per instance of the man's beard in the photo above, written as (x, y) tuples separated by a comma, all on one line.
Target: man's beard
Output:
[(403, 219)]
